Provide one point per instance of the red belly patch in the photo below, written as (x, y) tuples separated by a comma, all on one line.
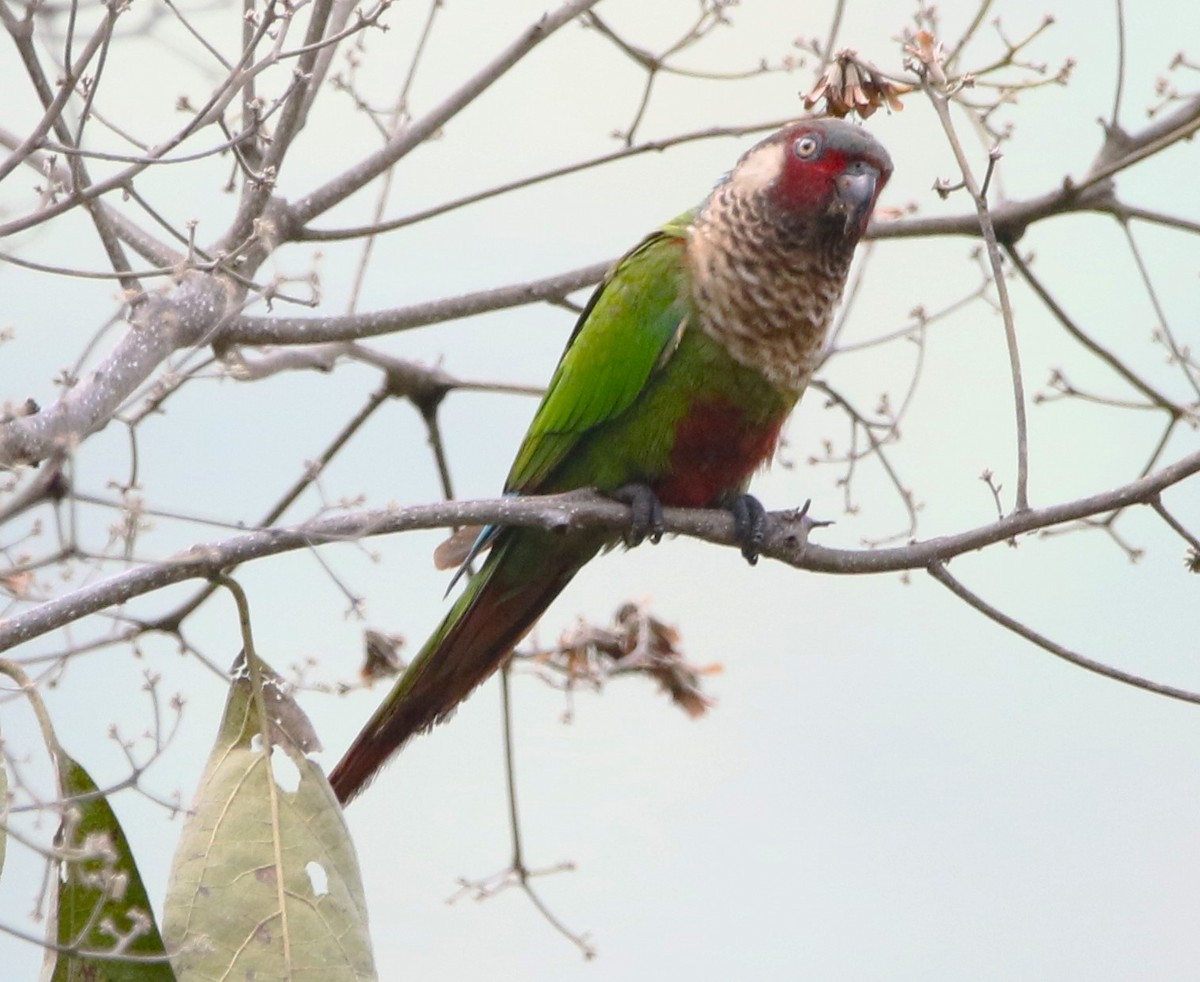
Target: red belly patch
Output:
[(716, 450)]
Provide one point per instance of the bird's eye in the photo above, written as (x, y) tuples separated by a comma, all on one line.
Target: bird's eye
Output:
[(806, 147)]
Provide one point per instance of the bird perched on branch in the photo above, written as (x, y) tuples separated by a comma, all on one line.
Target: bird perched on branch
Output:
[(671, 391)]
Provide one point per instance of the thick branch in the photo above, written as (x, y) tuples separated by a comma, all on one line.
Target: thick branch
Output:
[(1010, 221), (351, 327), (165, 323), (1010, 218), (786, 540)]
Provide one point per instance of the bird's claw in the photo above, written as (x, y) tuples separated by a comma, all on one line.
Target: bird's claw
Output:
[(749, 525), (647, 520)]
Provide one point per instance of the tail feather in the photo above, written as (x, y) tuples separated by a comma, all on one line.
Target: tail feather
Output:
[(517, 583)]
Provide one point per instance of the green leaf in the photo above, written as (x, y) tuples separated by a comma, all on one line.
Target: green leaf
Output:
[(102, 904), (265, 883)]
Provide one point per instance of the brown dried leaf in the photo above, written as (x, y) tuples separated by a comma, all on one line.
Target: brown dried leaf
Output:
[(454, 550), (18, 584), (382, 655)]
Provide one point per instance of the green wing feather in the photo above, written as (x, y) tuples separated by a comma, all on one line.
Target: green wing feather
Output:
[(629, 329)]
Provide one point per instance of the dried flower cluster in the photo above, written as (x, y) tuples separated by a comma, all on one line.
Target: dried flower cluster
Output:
[(852, 86), (635, 642)]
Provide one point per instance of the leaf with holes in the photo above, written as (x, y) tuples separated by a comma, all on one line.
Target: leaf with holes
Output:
[(265, 882)]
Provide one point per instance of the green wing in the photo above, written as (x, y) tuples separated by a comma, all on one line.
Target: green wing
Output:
[(629, 329)]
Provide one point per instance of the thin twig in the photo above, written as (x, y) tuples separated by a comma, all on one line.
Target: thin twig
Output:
[(1072, 328), (942, 108), (1114, 119), (1176, 525), (341, 187), (519, 868), (939, 572), (649, 146)]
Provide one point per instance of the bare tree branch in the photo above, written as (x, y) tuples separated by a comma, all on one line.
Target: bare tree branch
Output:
[(786, 540), (348, 327), (165, 323), (344, 185), (939, 572)]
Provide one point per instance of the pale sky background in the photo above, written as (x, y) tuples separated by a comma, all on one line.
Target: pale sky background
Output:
[(890, 786)]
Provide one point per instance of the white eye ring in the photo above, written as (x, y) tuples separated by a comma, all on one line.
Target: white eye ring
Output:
[(806, 147)]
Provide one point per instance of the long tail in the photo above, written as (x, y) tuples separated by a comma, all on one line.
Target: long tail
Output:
[(526, 570)]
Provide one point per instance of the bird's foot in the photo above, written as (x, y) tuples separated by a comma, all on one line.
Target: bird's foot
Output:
[(647, 521), (749, 525)]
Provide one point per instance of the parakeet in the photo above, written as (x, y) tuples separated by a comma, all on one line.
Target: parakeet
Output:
[(671, 391)]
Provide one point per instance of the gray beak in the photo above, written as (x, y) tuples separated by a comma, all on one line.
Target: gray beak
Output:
[(856, 193)]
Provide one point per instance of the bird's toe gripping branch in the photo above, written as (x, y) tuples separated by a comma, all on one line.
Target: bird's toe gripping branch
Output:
[(647, 521), (749, 525)]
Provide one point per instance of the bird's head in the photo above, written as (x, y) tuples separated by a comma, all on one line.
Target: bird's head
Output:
[(817, 175)]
